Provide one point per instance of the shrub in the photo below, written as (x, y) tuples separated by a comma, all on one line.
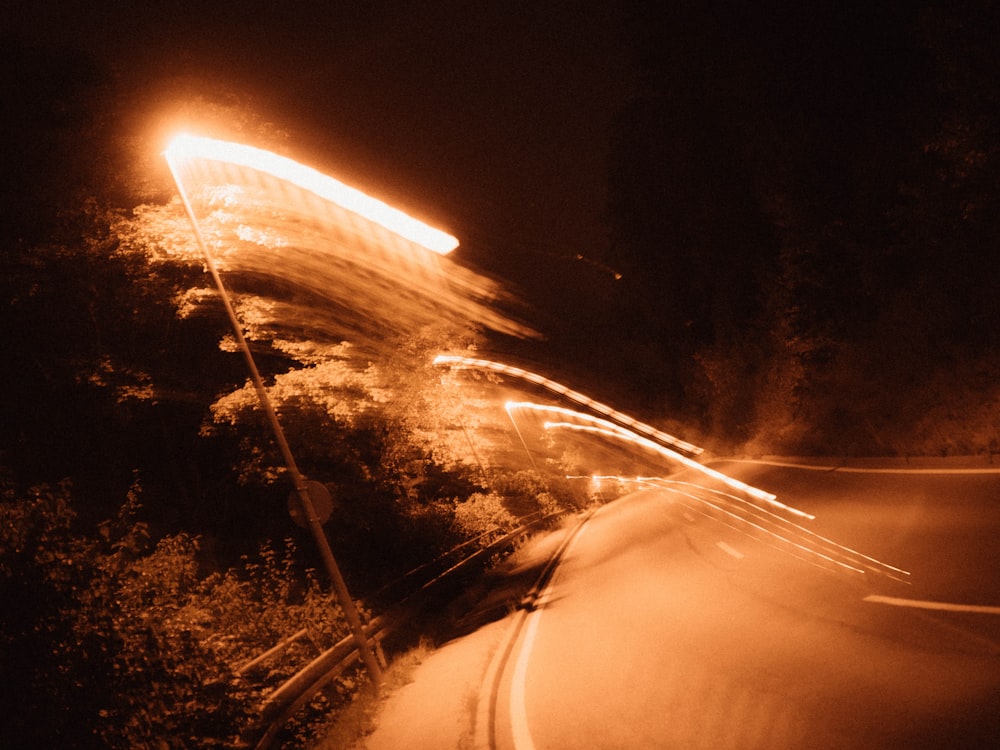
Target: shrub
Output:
[(121, 643), (482, 513)]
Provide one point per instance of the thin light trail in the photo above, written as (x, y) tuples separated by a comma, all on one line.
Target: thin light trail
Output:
[(520, 437), (614, 431), (812, 535), (189, 147), (603, 426), (575, 396), (895, 601), (798, 549), (813, 546)]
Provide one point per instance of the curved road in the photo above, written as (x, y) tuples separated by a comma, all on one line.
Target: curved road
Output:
[(676, 619)]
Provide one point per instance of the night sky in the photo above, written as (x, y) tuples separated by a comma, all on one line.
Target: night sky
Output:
[(488, 118), (770, 228), (760, 175)]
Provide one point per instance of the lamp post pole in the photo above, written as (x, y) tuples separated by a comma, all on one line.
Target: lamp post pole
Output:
[(301, 486)]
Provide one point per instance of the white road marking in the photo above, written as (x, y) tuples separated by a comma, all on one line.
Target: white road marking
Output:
[(521, 734), (518, 709), (730, 550), (862, 469), (924, 604)]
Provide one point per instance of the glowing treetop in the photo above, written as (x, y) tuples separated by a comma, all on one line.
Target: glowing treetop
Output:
[(185, 147)]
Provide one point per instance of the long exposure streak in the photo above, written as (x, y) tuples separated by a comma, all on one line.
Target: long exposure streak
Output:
[(813, 544), (740, 516), (617, 433), (196, 147), (575, 396), (614, 431)]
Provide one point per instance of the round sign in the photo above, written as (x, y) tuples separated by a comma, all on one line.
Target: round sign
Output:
[(321, 500)]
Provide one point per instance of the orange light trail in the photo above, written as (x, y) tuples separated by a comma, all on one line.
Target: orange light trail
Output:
[(609, 431), (617, 432), (766, 516), (810, 547), (575, 396), (187, 147), (798, 547)]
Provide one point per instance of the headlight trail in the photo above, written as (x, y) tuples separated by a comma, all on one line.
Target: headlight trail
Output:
[(575, 396), (819, 545), (798, 550), (381, 272), (186, 147), (625, 429), (768, 528), (587, 423)]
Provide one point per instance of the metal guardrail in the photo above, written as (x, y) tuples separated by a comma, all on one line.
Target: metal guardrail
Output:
[(295, 693), (276, 649)]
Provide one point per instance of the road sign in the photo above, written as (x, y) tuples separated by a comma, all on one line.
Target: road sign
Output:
[(321, 500)]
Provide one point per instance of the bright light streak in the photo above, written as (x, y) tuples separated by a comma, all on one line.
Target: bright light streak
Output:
[(575, 396), (896, 601), (766, 516), (614, 431), (673, 487), (801, 548), (619, 434), (187, 147), (812, 545)]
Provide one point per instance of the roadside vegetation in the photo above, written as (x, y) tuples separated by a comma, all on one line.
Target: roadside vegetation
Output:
[(817, 294), (117, 639)]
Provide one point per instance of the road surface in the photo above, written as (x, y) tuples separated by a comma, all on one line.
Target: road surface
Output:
[(666, 626)]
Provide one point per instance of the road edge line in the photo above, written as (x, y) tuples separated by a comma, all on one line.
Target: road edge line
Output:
[(896, 601)]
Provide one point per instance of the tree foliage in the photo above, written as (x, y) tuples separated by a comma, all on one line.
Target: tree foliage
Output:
[(794, 239), (132, 632), (810, 242), (120, 640)]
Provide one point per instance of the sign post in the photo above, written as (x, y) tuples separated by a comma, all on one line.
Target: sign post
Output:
[(301, 486)]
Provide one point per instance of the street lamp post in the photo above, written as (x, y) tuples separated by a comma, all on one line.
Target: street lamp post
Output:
[(299, 481)]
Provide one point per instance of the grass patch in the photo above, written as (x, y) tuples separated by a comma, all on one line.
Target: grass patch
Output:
[(356, 721)]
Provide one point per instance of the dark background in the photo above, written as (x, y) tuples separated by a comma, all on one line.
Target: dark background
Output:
[(769, 228), (772, 225)]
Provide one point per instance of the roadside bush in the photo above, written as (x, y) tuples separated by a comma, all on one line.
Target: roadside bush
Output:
[(117, 642), (525, 492), (481, 513), (120, 640)]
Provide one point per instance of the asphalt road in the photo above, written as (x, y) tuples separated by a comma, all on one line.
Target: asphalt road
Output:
[(680, 618), (668, 627)]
